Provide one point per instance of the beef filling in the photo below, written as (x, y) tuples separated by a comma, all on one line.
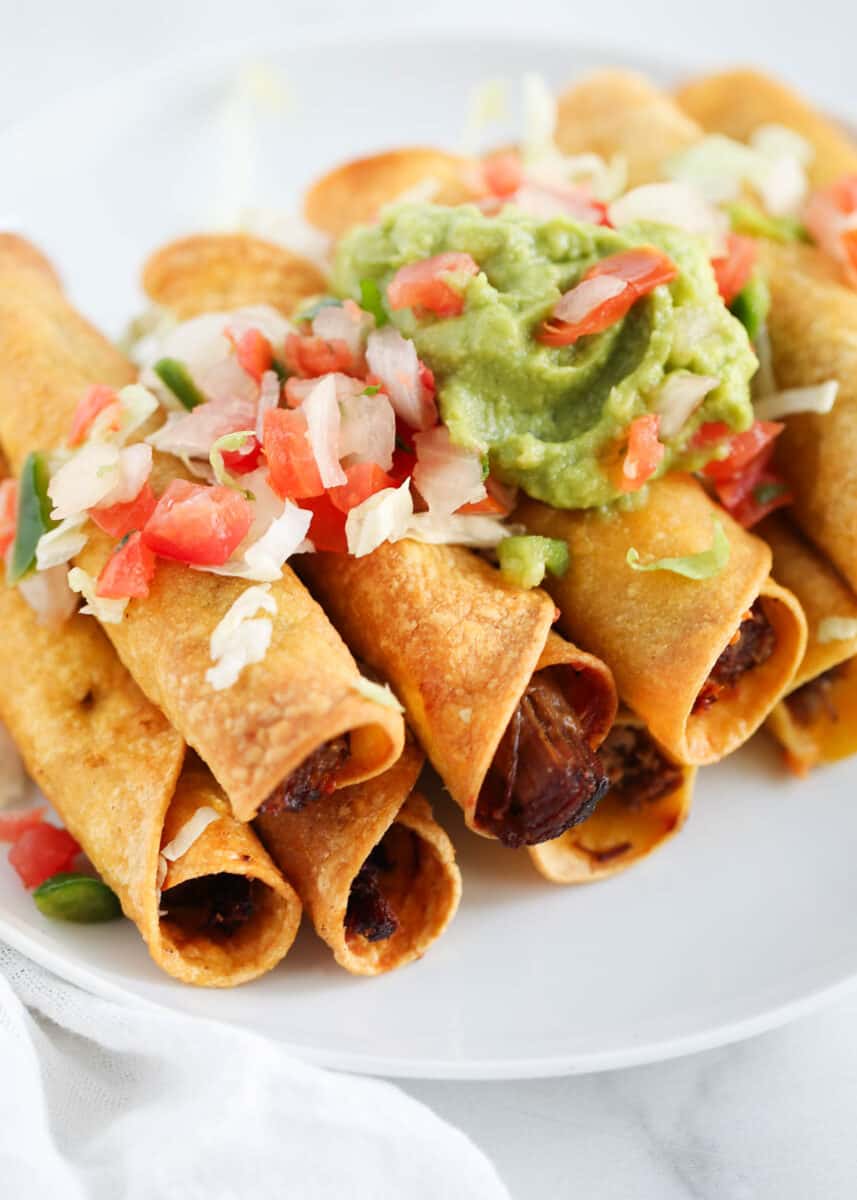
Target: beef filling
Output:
[(815, 699), (754, 644), (215, 905), (637, 770), (544, 777), (369, 914), (314, 778)]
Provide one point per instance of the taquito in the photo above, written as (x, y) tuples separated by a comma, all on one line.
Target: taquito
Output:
[(115, 771), (617, 112), (817, 721), (648, 802), (486, 684), (700, 675), (375, 871), (508, 714), (302, 699), (736, 103)]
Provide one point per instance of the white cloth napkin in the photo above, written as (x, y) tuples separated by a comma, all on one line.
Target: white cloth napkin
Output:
[(99, 1101)]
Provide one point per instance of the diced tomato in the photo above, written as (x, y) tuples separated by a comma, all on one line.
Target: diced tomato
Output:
[(292, 468), (743, 448), (196, 524), (8, 513), (94, 401), (253, 351), (710, 433), (310, 356), (327, 528), (426, 377), (13, 824), (642, 269), (120, 519), (734, 268), (129, 570), (644, 453), (425, 287), (499, 502), (767, 494), (503, 173), (403, 466), (41, 852), (241, 462), (364, 480)]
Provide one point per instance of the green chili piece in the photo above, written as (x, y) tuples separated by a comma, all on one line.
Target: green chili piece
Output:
[(34, 516), (83, 899), (177, 378)]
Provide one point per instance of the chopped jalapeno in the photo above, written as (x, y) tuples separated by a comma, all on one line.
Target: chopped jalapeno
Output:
[(525, 558), (747, 218), (372, 301), (69, 896), (34, 516), (177, 378), (751, 305)]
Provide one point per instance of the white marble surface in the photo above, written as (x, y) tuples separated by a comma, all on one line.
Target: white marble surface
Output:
[(772, 1119)]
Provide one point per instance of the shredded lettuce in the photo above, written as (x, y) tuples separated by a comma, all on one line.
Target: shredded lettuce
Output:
[(704, 565), (752, 304), (747, 218), (371, 301), (229, 441)]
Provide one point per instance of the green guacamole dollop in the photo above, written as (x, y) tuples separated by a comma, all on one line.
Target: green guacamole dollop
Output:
[(551, 419)]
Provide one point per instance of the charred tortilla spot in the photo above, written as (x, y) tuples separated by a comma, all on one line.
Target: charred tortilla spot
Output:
[(753, 646), (544, 777), (314, 778)]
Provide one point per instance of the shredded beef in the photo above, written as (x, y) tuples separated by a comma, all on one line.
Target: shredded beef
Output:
[(314, 778), (369, 913), (814, 699), (637, 770), (544, 777), (213, 904), (754, 645)]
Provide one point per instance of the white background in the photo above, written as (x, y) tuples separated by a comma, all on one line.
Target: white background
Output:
[(774, 1118)]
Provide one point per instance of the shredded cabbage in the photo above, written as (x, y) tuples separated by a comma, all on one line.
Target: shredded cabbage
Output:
[(703, 565), (108, 611), (62, 543), (189, 833), (819, 398), (239, 639), (836, 629), (378, 693)]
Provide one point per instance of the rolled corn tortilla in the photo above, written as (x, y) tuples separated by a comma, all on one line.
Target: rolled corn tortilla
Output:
[(375, 871), (115, 771), (460, 646), (663, 635), (737, 102), (617, 112), (648, 802), (817, 721), (354, 192), (467, 654), (304, 696)]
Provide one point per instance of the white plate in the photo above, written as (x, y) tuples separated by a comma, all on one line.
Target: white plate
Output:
[(745, 921)]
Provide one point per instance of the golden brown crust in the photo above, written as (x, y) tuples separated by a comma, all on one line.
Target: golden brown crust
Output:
[(322, 848), (661, 634), (352, 194), (111, 766), (738, 102), (457, 643), (211, 272), (619, 833), (617, 112)]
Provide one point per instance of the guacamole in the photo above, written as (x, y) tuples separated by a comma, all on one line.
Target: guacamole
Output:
[(552, 419)]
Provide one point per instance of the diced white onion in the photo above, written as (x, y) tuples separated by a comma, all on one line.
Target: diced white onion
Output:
[(272, 324), (778, 141), (264, 558), (189, 833), (446, 475), (193, 433), (380, 518), (677, 204), (136, 406), (322, 414), (89, 475), (719, 166), (678, 397), (478, 530), (604, 180), (393, 359), (135, 467), (239, 639), (346, 323), (819, 398), (62, 543), (836, 629), (13, 777), (543, 202), (367, 430), (108, 611), (378, 693), (577, 303), (49, 595), (269, 398)]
